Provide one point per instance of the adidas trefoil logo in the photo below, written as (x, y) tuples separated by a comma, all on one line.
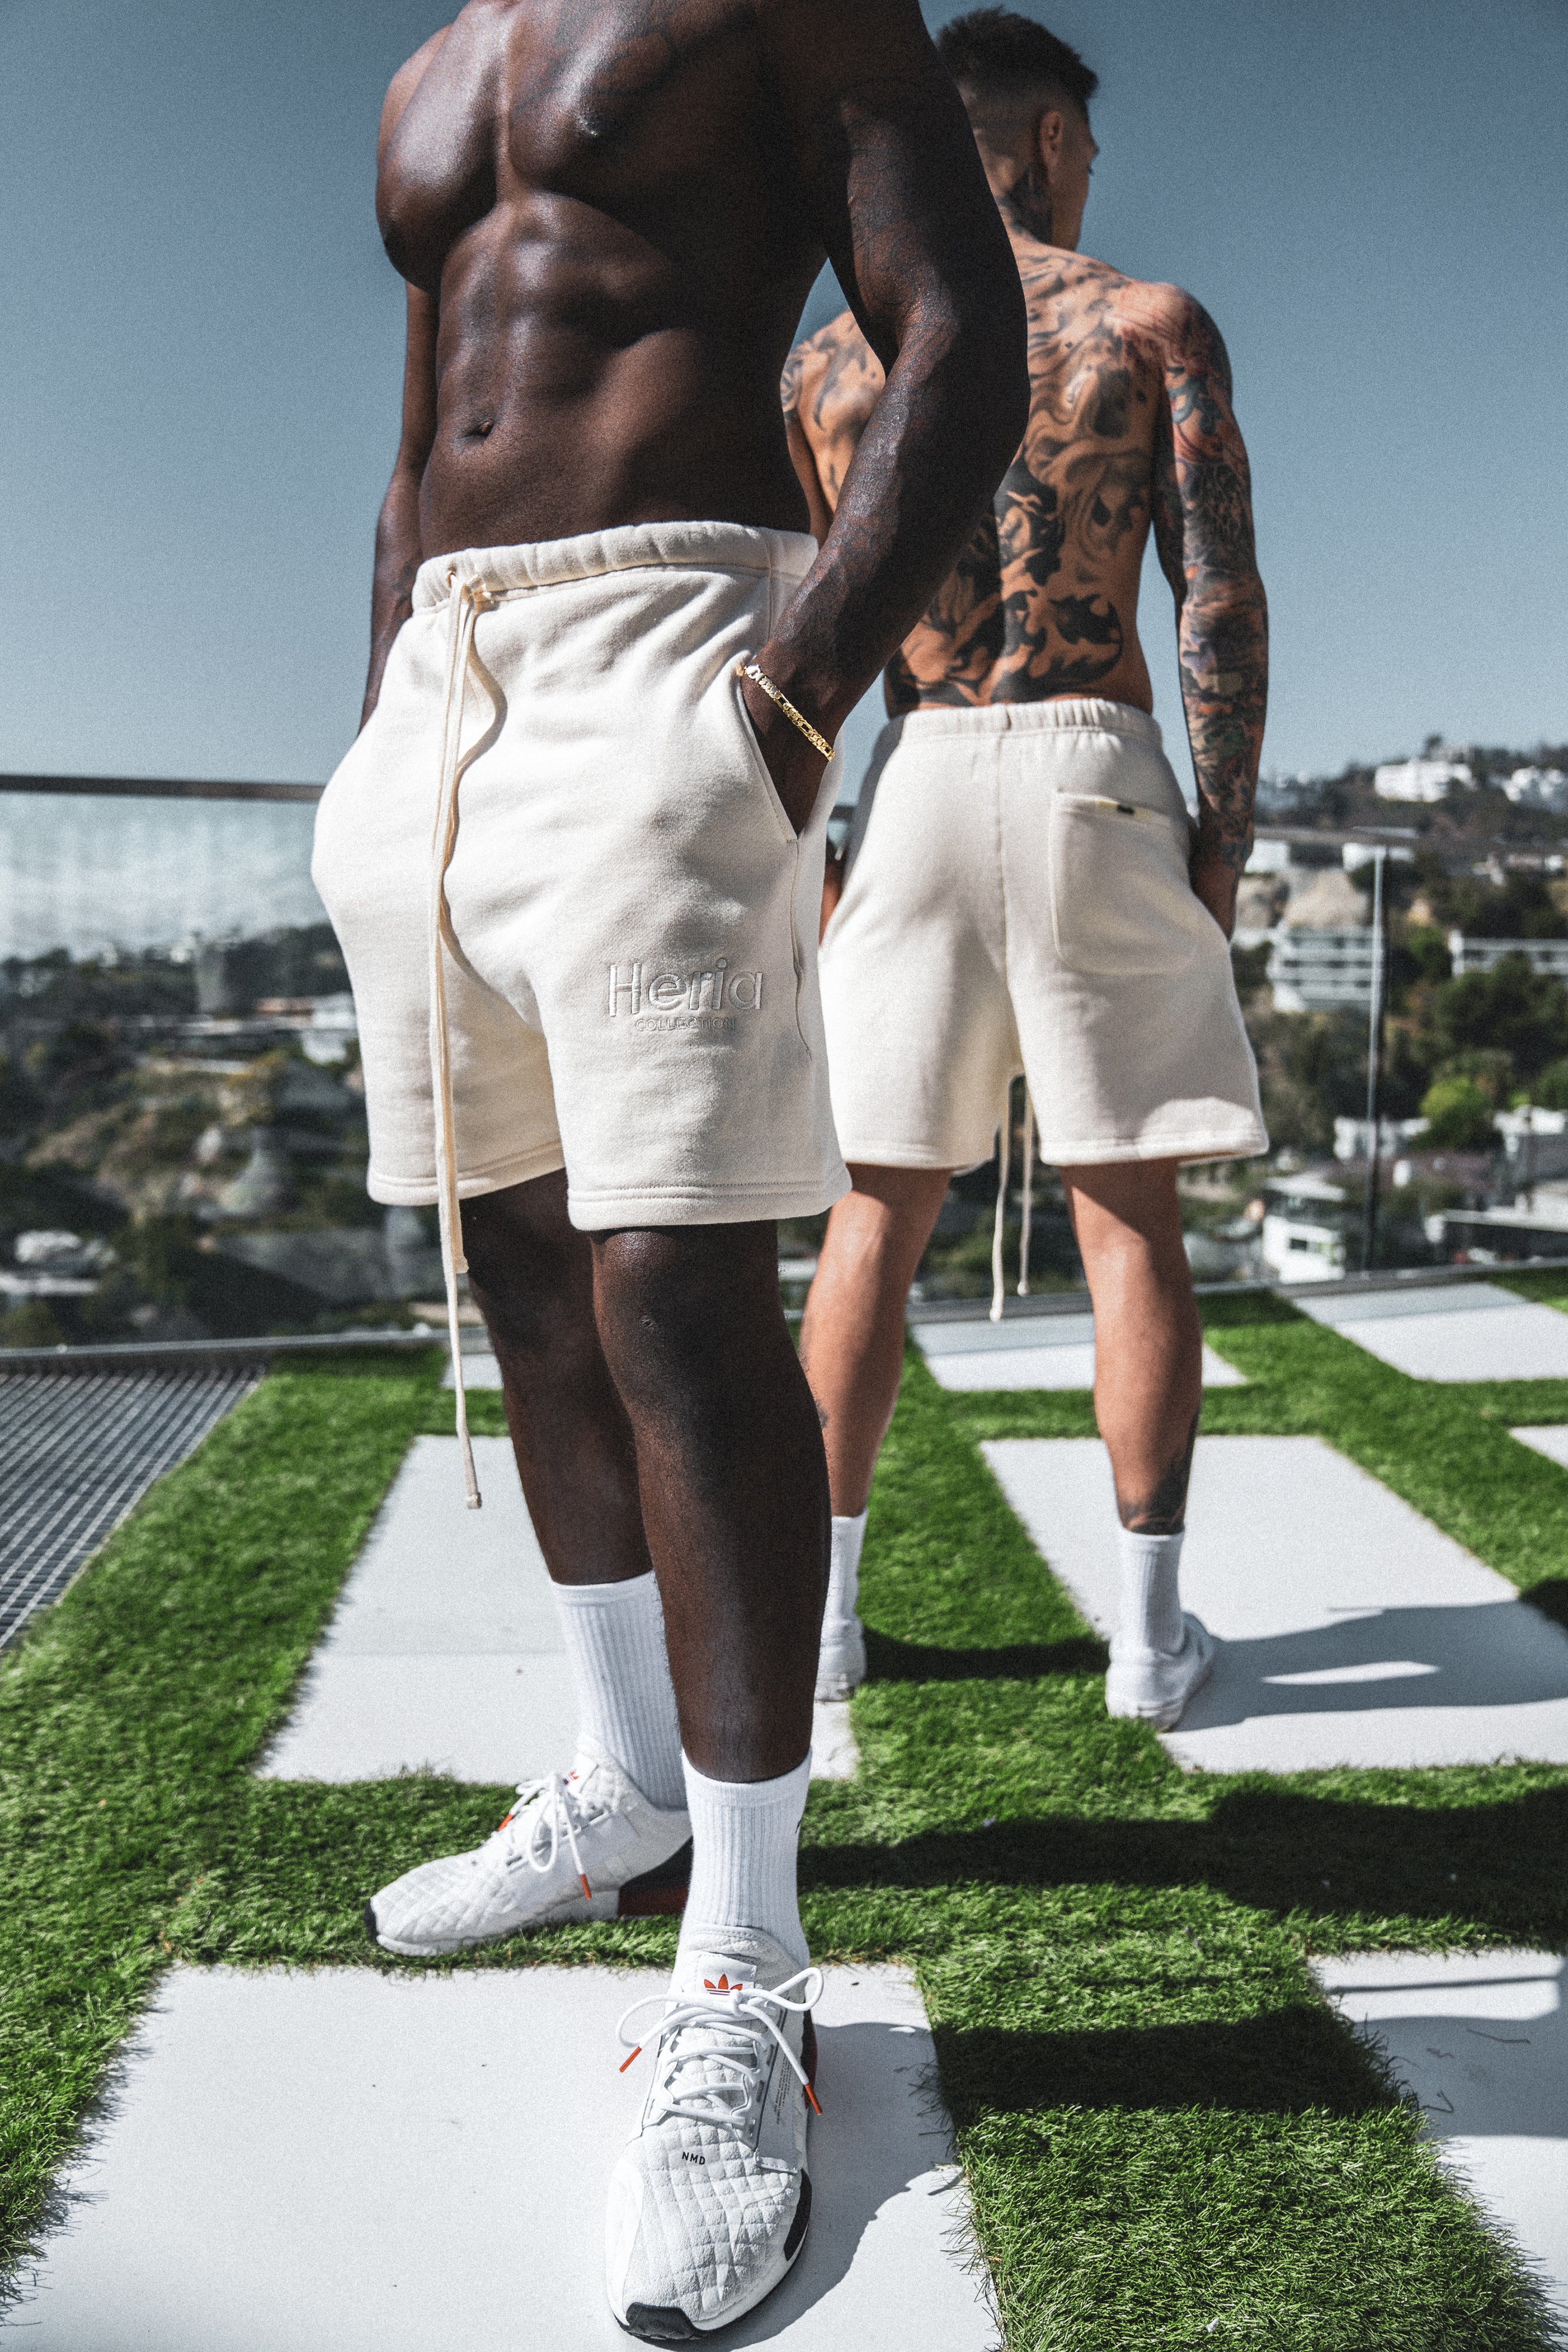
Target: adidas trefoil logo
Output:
[(724, 1984)]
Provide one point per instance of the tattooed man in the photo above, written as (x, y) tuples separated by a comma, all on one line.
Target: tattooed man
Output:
[(576, 859), (1024, 891)]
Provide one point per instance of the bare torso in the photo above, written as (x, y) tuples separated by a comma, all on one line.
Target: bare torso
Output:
[(600, 200), (1044, 600)]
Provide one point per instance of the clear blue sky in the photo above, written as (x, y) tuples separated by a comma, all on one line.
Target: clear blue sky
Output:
[(201, 361)]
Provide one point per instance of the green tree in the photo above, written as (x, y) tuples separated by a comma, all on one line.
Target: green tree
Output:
[(1511, 1009), (1459, 1116)]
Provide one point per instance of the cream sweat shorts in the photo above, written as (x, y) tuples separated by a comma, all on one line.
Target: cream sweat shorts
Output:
[(1017, 900), (567, 891)]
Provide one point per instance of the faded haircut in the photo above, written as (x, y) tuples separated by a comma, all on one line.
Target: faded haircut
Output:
[(1006, 60)]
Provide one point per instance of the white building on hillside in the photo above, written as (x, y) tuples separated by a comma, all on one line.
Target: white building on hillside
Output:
[(1419, 780), (1538, 788)]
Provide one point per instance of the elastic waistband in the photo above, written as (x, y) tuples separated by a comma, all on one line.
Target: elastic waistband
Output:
[(1057, 714), (630, 547)]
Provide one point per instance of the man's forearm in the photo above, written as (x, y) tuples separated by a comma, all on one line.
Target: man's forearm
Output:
[(397, 559), (1223, 638), (941, 436)]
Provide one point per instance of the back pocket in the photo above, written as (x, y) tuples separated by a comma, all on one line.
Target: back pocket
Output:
[(1121, 904)]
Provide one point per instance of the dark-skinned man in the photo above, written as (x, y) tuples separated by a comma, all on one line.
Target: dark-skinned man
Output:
[(574, 858), (1026, 892)]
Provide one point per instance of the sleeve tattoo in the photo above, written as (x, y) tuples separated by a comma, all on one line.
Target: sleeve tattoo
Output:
[(1203, 532)]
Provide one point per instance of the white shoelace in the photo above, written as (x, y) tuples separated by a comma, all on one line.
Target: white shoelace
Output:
[(536, 1833), (725, 2030)]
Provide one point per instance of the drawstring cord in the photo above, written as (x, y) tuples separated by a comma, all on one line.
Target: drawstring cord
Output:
[(997, 1284), (1005, 1146), (468, 600)]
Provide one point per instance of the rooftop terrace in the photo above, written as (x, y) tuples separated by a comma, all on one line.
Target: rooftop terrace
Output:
[(1249, 2034)]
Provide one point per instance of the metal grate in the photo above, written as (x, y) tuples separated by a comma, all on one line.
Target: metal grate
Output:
[(78, 1451)]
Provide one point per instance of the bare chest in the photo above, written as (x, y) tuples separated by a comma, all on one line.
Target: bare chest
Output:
[(603, 101)]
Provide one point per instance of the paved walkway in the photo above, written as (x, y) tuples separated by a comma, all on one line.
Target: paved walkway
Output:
[(1035, 1351), (1481, 2039), (445, 1653), (1473, 1332), (344, 2161), (1354, 1631)]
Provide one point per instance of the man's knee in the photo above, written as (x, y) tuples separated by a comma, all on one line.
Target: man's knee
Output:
[(682, 1307), (530, 1270)]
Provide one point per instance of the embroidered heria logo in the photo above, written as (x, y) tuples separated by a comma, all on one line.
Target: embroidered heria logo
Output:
[(723, 1985), (718, 990)]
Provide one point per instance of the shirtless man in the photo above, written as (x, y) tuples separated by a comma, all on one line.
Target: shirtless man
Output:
[(575, 860), (1023, 892)]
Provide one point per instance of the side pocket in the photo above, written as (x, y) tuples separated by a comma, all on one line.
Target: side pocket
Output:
[(759, 765), (1122, 905)]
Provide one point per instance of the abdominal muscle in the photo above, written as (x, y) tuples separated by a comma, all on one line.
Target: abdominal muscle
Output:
[(578, 389)]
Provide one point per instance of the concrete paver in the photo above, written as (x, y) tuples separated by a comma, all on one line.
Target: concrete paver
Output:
[(445, 1652), (1043, 1352), (1354, 1631), (1551, 1440), (391, 2164), (1481, 2039), (1476, 1332)]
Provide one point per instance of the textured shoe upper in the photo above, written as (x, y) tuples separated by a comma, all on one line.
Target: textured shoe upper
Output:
[(592, 1824), (703, 2198), (841, 1660)]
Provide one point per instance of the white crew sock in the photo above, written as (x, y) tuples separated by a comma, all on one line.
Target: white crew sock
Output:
[(744, 1838), (843, 1569), (1151, 1611), (614, 1642)]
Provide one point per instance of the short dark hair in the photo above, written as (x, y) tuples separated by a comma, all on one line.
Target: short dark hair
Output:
[(999, 55)]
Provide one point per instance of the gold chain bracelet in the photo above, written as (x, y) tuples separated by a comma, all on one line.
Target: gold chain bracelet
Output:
[(760, 677)]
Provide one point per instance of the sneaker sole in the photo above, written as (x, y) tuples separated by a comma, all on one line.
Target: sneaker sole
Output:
[(663, 2324), (656, 1894)]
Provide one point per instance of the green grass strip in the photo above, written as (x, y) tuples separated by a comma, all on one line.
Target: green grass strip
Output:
[(1168, 2137)]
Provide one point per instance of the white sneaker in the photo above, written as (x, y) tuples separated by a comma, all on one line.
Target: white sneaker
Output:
[(710, 2202), (841, 1661), (1155, 1685), (567, 1849)]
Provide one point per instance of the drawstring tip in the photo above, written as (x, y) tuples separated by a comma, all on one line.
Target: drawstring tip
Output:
[(627, 2061), (811, 2094), (587, 1891)]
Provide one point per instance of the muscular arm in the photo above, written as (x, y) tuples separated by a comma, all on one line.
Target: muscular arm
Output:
[(398, 548), (1203, 532), (910, 227)]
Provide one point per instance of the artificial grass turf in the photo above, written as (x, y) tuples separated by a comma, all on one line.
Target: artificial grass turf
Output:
[(1168, 2137)]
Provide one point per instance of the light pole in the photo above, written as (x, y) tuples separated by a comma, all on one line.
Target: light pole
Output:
[(1373, 1062)]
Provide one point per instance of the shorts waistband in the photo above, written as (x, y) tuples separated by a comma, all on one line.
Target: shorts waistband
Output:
[(630, 547), (1058, 714)]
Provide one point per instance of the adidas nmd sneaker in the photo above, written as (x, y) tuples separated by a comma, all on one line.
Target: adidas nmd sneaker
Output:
[(585, 1845), (710, 2201)]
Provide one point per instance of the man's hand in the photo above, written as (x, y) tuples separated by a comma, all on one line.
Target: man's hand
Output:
[(796, 768), (1216, 881)]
